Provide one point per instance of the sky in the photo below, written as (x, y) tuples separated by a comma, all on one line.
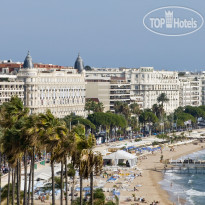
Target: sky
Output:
[(107, 33)]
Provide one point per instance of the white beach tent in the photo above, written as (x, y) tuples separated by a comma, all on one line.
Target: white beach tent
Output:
[(122, 155)]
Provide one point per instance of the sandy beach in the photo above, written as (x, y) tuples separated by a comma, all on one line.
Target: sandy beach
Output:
[(147, 175), (150, 168), (151, 188)]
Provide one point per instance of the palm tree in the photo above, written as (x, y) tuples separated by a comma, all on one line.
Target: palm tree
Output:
[(1, 135), (93, 106), (135, 109), (78, 142), (11, 112), (99, 107), (91, 162), (162, 98), (51, 132), (158, 110), (12, 115), (61, 157), (122, 108), (31, 133), (30, 138), (8, 193)]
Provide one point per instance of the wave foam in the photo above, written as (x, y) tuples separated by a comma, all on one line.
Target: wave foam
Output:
[(192, 192), (190, 181)]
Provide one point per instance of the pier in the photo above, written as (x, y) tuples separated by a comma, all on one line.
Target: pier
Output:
[(187, 166)]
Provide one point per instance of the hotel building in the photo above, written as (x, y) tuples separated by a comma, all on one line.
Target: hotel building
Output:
[(191, 89), (60, 90), (145, 85)]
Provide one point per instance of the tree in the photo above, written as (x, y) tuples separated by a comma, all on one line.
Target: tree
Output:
[(52, 130), (30, 140), (93, 106), (162, 98), (61, 156), (32, 144), (12, 115), (183, 117), (1, 135), (158, 110), (99, 197), (148, 117), (134, 119), (78, 142), (134, 124), (91, 162), (122, 108), (195, 111), (75, 120), (135, 109), (108, 121)]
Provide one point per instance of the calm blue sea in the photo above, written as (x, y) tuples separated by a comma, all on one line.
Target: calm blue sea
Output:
[(190, 187)]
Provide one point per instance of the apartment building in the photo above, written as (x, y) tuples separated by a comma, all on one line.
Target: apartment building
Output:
[(144, 84), (99, 87), (192, 86), (108, 90), (10, 86)]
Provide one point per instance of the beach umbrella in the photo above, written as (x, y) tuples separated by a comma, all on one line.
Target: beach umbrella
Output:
[(77, 189), (86, 188)]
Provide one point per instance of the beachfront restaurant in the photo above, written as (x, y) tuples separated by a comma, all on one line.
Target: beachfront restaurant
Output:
[(119, 158)]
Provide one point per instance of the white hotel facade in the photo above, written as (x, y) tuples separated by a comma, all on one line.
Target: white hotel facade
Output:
[(146, 84), (61, 91)]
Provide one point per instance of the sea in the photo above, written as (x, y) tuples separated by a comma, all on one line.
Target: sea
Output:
[(189, 188)]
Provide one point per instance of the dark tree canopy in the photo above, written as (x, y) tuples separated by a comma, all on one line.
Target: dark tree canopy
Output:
[(107, 119), (75, 119), (148, 116), (195, 111)]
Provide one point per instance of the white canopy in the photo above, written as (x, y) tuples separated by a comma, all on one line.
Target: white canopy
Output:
[(121, 155)]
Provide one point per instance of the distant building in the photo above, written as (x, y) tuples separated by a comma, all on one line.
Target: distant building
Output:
[(10, 86), (108, 90), (9, 67), (119, 91), (149, 84), (142, 85), (99, 88), (191, 89)]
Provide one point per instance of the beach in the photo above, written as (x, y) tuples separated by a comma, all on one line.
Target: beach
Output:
[(151, 170), (151, 189), (139, 182)]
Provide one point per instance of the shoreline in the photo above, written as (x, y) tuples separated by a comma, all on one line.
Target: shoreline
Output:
[(152, 189), (149, 172)]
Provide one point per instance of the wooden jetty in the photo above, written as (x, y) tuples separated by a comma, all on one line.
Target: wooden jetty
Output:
[(187, 166)]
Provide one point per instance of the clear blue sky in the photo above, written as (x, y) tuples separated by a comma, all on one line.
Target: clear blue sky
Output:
[(107, 33)]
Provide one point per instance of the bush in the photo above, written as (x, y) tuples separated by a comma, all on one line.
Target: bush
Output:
[(138, 139), (110, 203), (121, 164), (98, 194), (155, 143)]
